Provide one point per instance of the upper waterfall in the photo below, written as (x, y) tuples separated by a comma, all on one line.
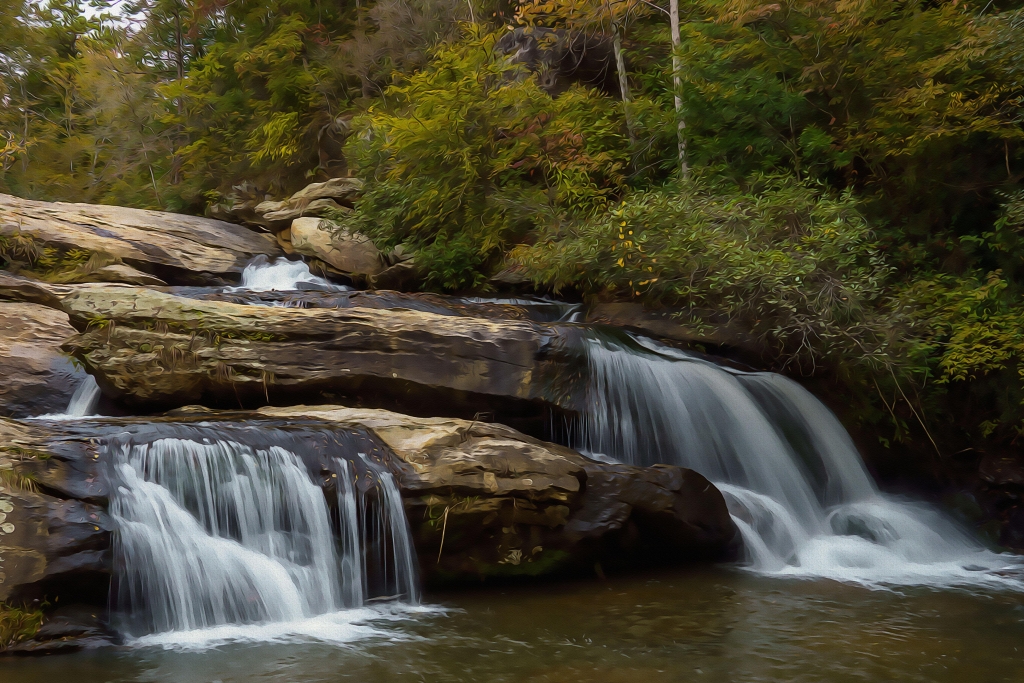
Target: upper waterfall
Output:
[(793, 479)]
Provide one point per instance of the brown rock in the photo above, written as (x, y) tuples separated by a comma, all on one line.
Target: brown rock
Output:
[(342, 190), (37, 377), (486, 500), (184, 246), (347, 251), (45, 541), (667, 323), (281, 214), (150, 347)]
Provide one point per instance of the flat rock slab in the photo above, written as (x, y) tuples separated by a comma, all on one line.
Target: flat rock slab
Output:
[(151, 240), (147, 347)]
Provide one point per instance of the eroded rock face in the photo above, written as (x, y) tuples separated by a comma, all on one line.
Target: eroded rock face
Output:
[(484, 500), (36, 377), (151, 348), (56, 533), (317, 200), (167, 245)]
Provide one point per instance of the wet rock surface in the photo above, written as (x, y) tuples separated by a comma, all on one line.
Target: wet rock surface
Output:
[(36, 377), (485, 501), (482, 500)]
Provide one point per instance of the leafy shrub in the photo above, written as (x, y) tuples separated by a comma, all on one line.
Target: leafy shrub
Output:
[(794, 268), (468, 157)]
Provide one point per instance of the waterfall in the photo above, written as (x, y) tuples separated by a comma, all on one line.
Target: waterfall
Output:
[(217, 532), (82, 404), (85, 399), (791, 476), (262, 275)]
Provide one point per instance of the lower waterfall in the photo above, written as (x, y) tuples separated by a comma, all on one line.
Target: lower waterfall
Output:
[(792, 477), (223, 534)]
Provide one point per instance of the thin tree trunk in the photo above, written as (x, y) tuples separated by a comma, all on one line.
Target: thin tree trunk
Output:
[(620, 66), (179, 62), (677, 87)]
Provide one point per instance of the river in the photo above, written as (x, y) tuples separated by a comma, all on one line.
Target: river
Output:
[(716, 624)]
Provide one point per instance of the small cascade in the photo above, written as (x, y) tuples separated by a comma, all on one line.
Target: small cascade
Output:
[(386, 540), (82, 404), (85, 399), (791, 476), (236, 531), (281, 275)]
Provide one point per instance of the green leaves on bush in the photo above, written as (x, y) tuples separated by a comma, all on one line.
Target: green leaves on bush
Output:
[(469, 156)]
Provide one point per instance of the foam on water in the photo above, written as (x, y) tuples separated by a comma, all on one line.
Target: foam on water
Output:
[(281, 275), (343, 627), (791, 476), (82, 404)]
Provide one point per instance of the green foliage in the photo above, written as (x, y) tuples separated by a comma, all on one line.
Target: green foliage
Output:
[(786, 267), (465, 159), (18, 624), (915, 105)]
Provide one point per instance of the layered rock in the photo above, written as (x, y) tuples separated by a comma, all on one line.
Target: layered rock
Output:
[(36, 377), (87, 238), (484, 500), (152, 348), (317, 199)]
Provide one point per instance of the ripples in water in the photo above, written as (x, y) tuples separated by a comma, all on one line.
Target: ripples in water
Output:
[(714, 625)]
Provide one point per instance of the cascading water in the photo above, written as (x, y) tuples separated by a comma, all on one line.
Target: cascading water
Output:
[(82, 404), (792, 478), (85, 399), (224, 540), (280, 275)]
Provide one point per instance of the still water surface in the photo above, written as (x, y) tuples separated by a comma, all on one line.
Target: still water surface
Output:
[(718, 624)]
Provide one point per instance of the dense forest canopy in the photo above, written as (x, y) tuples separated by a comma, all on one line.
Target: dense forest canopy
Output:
[(851, 200)]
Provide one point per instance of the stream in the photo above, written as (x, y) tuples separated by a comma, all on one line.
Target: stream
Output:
[(716, 624), (233, 567)]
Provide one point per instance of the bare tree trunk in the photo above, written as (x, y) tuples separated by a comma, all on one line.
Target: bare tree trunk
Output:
[(620, 66), (677, 87), (179, 60)]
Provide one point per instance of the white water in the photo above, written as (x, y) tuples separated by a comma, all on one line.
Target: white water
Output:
[(221, 541), (82, 404), (386, 541), (85, 399), (791, 476), (281, 275)]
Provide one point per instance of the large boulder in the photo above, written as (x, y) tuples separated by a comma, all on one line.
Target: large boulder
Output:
[(36, 377), (278, 215), (347, 251), (152, 348), (85, 238), (484, 500)]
